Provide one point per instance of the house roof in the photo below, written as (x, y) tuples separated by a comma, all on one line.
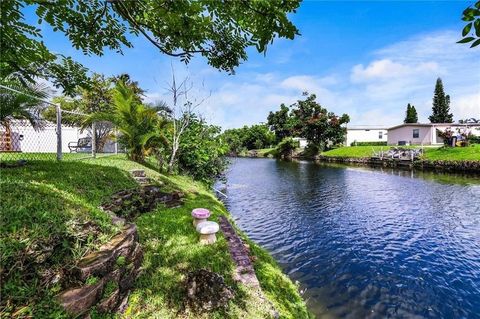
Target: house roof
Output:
[(432, 125), (366, 127)]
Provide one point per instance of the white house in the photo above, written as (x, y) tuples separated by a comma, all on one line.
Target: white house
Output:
[(23, 138), (302, 142), (357, 134), (425, 133)]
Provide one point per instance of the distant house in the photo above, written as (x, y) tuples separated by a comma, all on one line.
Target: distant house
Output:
[(302, 142), (24, 138), (425, 133), (357, 134)]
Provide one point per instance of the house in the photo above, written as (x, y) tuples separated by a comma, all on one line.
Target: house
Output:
[(302, 142), (425, 133), (22, 137), (357, 134)]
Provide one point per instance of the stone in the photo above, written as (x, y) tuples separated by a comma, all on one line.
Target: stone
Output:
[(100, 262), (207, 291), (94, 264), (239, 251), (137, 173), (207, 232), (130, 203), (200, 215), (108, 304), (122, 305), (77, 301), (103, 265)]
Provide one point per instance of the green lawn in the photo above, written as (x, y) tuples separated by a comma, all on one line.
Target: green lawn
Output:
[(470, 153), (46, 202), (16, 156), (261, 152), (431, 153), (355, 151)]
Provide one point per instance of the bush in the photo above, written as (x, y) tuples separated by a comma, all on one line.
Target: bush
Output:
[(473, 139), (286, 147), (354, 143), (202, 151)]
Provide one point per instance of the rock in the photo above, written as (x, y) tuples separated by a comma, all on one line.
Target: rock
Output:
[(94, 264), (79, 300), (100, 262), (112, 275), (109, 303), (137, 173), (207, 291), (122, 305), (130, 203)]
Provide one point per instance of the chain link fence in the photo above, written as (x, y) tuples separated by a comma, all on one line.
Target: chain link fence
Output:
[(25, 140)]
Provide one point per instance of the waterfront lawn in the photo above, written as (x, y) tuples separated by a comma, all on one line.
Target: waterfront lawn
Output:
[(355, 151), (47, 200), (49, 219), (261, 152), (469, 153)]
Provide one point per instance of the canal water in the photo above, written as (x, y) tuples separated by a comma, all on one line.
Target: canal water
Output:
[(365, 243)]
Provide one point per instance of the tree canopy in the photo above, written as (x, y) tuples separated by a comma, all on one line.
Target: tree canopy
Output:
[(411, 114), (220, 31), (281, 123), (319, 126), (441, 105), (471, 31)]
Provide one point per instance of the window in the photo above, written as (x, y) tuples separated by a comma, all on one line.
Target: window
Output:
[(380, 135), (416, 133)]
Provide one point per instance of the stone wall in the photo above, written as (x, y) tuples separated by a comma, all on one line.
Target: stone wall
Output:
[(108, 276)]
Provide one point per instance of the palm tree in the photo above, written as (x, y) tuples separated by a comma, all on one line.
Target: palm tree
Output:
[(26, 105), (159, 145), (135, 122)]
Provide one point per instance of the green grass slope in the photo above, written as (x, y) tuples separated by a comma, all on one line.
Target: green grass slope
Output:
[(46, 200), (355, 151), (469, 153)]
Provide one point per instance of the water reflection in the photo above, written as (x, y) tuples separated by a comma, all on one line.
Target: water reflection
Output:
[(365, 242)]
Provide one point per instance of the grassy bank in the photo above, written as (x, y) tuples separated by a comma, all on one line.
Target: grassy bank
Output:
[(52, 207), (431, 153), (261, 152), (470, 153), (355, 151)]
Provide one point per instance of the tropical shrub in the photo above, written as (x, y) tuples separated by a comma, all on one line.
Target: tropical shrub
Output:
[(135, 122), (21, 106), (202, 151), (286, 147), (249, 138)]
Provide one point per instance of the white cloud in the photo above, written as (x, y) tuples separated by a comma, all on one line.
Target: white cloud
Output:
[(386, 68), (467, 106), (373, 92)]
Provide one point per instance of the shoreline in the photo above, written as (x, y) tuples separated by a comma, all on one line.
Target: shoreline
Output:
[(445, 166)]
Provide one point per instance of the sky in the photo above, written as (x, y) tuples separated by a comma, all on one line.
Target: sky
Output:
[(364, 58)]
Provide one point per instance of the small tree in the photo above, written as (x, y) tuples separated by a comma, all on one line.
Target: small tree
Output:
[(320, 127), (441, 105), (280, 122), (135, 122), (202, 151), (181, 112), (411, 114), (286, 147)]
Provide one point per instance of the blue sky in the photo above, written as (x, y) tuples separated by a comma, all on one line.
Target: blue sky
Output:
[(366, 59)]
